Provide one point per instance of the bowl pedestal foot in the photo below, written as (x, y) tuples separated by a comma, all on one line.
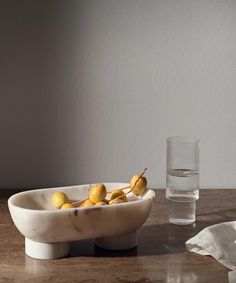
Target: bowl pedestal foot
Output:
[(46, 250), (123, 242)]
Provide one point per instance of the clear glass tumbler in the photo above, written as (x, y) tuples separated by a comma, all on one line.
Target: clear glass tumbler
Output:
[(182, 179)]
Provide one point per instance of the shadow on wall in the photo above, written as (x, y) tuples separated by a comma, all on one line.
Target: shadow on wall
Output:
[(40, 122), (91, 89)]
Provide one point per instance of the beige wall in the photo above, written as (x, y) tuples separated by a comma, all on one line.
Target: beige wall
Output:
[(89, 90)]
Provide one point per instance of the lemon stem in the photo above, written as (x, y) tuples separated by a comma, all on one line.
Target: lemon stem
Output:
[(77, 202), (140, 176), (121, 189)]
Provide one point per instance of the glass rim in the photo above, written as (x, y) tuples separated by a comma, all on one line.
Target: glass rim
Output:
[(183, 139)]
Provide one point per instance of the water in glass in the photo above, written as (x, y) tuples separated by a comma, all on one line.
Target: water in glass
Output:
[(182, 191)]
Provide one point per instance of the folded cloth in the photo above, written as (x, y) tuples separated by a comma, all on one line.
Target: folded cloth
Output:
[(218, 241)]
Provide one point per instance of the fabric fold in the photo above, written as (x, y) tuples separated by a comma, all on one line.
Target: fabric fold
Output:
[(219, 241)]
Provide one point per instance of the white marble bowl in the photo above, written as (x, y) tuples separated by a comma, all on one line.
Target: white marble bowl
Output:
[(49, 231)]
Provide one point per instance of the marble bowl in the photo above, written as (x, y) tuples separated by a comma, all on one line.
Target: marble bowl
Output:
[(49, 231)]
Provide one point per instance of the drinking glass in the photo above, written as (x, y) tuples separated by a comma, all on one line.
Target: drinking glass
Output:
[(182, 179)]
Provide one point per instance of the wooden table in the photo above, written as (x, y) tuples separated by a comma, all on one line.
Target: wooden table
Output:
[(161, 255)]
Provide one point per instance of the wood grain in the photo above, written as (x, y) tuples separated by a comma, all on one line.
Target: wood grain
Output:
[(161, 255)]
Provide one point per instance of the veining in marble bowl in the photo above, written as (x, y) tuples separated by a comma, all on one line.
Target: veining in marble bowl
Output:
[(49, 231)]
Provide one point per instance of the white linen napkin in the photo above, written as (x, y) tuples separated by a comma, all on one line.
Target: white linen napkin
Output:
[(218, 241)]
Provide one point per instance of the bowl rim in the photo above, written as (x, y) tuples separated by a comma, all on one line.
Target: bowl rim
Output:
[(53, 211)]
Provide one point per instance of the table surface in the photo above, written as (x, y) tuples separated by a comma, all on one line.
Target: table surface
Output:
[(161, 255)]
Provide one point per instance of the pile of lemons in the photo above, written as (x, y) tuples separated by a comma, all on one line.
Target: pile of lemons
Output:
[(98, 194)]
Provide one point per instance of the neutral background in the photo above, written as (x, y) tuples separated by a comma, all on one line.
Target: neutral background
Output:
[(91, 89)]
